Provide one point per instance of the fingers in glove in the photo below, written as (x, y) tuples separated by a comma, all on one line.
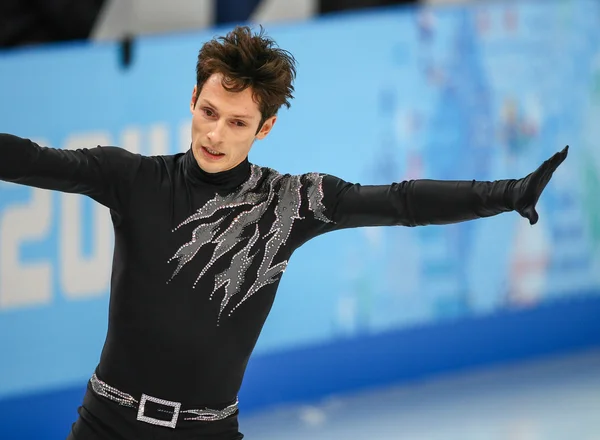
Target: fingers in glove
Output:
[(559, 157)]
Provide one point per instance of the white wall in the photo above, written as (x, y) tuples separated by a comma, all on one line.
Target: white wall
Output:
[(143, 17)]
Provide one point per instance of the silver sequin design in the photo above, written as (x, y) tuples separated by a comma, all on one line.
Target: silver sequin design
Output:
[(233, 278), (315, 196), (260, 198), (202, 235), (237, 198), (231, 236), (105, 390), (286, 211), (124, 399)]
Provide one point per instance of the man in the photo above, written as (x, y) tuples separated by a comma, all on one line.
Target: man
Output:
[(202, 239)]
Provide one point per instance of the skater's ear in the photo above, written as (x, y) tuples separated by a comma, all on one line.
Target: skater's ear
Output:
[(266, 128)]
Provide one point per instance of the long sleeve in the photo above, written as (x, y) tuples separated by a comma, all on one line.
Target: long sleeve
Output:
[(415, 202), (102, 173), (431, 202)]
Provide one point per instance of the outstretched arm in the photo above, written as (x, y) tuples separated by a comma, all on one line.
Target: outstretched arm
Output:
[(100, 173), (435, 202)]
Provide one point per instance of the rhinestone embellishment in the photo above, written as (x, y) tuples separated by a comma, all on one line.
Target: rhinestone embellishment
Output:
[(205, 415), (105, 390), (286, 192), (167, 423)]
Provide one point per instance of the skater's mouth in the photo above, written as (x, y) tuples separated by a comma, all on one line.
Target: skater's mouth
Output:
[(212, 154)]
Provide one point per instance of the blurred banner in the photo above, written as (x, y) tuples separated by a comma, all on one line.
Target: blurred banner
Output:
[(479, 92)]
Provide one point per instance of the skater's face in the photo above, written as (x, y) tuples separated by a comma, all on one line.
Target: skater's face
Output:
[(224, 125)]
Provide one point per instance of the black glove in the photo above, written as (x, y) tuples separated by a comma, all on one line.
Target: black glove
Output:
[(528, 190), (439, 202)]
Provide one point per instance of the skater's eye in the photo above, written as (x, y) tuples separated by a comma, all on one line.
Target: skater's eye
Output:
[(239, 123), (208, 112)]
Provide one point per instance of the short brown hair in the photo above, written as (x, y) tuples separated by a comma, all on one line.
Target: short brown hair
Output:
[(247, 60)]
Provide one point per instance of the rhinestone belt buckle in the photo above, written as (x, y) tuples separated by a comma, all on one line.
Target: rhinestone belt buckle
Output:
[(169, 424)]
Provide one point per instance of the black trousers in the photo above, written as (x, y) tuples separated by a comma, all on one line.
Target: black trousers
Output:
[(102, 419)]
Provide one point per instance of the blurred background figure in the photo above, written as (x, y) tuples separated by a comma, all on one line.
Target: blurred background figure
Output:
[(33, 22)]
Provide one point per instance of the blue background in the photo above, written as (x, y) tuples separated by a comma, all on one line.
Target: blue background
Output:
[(482, 92)]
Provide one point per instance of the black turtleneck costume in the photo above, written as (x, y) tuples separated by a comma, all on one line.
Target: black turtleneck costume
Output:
[(198, 258)]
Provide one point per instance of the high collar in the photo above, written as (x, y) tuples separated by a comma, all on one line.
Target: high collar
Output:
[(225, 179)]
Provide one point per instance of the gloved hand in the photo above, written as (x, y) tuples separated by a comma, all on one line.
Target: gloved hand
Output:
[(423, 202), (528, 190)]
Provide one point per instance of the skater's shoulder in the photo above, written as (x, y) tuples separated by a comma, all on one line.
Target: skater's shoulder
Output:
[(268, 175)]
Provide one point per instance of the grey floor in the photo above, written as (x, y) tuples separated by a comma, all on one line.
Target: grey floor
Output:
[(552, 399)]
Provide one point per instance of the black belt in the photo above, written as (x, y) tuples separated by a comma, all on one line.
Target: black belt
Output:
[(204, 415)]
